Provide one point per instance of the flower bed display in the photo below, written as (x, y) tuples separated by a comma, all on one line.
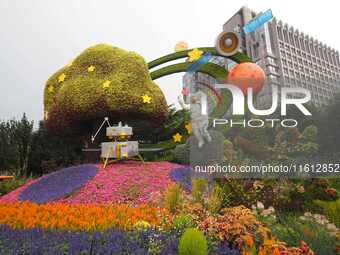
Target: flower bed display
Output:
[(113, 241), (79, 217), (58, 184), (127, 182)]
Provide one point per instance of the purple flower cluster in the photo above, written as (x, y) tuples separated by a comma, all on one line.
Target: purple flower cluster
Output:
[(225, 249), (113, 241), (182, 175), (58, 184), (38, 241)]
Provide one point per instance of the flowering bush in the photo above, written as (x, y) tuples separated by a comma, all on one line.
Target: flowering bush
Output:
[(58, 184), (233, 225), (322, 220), (80, 217)]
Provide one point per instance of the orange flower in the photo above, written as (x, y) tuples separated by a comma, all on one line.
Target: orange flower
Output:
[(261, 251), (79, 217), (276, 251), (249, 241)]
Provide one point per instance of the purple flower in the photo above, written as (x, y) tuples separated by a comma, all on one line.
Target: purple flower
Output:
[(182, 175), (113, 241), (58, 184)]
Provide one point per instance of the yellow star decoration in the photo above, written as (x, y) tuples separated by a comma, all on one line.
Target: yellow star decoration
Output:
[(61, 77), (188, 127), (91, 69), (106, 84), (146, 99), (177, 138), (50, 89), (195, 54)]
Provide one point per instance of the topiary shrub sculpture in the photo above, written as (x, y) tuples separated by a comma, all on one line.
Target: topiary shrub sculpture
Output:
[(193, 242), (103, 81)]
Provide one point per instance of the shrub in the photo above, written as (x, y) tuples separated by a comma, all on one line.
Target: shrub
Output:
[(229, 152), (173, 197), (292, 230), (215, 200), (80, 101), (210, 153), (199, 186), (233, 224), (8, 186), (183, 221), (331, 209), (192, 242), (181, 154)]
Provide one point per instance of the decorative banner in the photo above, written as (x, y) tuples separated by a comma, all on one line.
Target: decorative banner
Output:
[(258, 21)]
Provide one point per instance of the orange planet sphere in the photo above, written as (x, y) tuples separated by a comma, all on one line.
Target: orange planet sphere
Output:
[(247, 75)]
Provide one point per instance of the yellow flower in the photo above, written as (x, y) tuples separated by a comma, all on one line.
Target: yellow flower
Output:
[(188, 127), (177, 138), (141, 224), (106, 84), (194, 55), (146, 99), (91, 68), (61, 77)]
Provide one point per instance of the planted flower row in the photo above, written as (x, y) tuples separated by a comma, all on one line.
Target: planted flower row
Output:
[(80, 217), (112, 241)]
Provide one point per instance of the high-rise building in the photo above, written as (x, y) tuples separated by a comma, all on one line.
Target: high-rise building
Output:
[(289, 57)]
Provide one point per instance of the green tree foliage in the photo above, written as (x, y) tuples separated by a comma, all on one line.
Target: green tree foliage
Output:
[(50, 152), (15, 146), (328, 124), (25, 152)]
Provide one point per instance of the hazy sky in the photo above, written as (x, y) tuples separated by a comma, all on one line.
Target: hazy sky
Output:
[(39, 36)]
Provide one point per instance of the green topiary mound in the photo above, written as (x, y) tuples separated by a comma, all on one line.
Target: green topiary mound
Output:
[(102, 81), (193, 242)]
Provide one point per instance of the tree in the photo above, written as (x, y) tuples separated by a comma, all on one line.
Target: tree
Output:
[(328, 123), (15, 145)]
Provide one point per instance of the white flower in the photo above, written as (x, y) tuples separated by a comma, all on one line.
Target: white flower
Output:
[(308, 214), (271, 209), (260, 205), (266, 212), (331, 227), (302, 218)]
